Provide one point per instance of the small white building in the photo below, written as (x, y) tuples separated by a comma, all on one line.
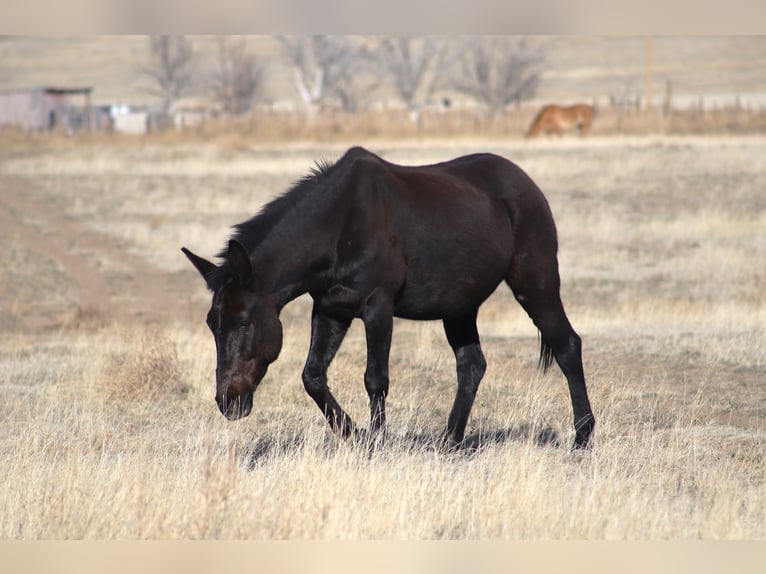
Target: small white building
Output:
[(127, 120)]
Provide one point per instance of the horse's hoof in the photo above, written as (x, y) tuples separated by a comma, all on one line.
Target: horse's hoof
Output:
[(451, 445), (581, 444)]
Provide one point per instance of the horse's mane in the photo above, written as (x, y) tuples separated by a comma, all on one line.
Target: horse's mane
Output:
[(252, 232)]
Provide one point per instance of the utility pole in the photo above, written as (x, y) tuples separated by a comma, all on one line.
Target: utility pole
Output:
[(649, 72)]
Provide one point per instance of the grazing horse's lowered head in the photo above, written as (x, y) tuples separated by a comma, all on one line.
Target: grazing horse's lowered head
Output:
[(245, 325)]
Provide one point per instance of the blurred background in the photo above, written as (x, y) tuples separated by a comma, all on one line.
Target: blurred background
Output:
[(275, 87)]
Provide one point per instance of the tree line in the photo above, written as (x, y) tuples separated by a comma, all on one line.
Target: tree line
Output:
[(346, 71)]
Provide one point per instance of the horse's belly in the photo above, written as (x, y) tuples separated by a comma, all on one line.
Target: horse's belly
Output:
[(447, 291), (455, 256)]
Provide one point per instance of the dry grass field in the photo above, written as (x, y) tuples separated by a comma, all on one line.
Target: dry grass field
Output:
[(108, 428)]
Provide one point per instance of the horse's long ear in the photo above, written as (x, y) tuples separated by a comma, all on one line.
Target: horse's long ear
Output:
[(205, 267), (241, 266)]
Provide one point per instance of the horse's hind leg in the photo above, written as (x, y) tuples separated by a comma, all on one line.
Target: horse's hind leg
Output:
[(537, 290), (464, 340)]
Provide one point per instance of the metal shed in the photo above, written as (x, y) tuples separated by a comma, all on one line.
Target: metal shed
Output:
[(46, 108)]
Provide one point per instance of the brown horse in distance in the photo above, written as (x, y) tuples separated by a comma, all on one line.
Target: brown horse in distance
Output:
[(559, 119)]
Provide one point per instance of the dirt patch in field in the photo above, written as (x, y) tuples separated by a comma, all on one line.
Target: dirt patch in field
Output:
[(60, 273)]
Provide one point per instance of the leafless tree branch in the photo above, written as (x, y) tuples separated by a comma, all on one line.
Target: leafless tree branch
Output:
[(413, 65), (328, 67), (306, 76), (169, 67), (497, 70), (238, 75)]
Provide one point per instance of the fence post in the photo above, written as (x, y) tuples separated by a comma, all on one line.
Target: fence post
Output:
[(668, 106)]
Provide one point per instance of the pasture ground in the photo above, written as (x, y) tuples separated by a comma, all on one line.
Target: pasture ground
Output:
[(108, 428)]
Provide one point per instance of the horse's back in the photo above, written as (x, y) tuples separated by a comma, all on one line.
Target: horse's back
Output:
[(482, 195), (450, 226)]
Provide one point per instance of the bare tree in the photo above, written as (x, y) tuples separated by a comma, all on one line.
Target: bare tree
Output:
[(307, 77), (497, 70), (170, 68), (238, 75), (328, 67), (345, 61), (413, 65)]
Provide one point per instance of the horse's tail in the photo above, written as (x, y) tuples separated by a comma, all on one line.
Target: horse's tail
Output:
[(546, 356)]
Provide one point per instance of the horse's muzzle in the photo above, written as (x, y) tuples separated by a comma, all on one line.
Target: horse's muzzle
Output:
[(237, 407)]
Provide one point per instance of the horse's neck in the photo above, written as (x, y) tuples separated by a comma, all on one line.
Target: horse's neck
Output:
[(287, 263)]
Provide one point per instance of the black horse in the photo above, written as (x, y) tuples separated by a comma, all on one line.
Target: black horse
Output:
[(370, 239)]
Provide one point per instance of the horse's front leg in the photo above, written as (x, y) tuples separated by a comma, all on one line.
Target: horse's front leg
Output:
[(378, 323), (326, 336)]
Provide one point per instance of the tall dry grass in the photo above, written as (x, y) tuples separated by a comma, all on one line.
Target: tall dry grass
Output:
[(109, 429), (111, 449)]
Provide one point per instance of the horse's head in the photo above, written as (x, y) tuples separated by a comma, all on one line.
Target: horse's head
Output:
[(246, 327)]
